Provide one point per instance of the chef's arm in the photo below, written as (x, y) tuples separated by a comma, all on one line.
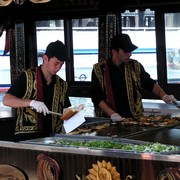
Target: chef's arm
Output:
[(168, 99), (15, 102), (157, 90), (104, 106)]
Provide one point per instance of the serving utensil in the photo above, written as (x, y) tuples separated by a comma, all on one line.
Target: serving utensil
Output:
[(55, 113), (176, 104)]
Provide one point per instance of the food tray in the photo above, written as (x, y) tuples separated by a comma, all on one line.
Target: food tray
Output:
[(50, 141)]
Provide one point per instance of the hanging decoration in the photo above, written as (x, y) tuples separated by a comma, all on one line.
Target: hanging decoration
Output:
[(21, 2), (7, 42), (40, 1), (5, 2)]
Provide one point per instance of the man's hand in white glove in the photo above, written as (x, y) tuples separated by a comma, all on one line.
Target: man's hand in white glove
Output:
[(169, 99), (39, 107), (116, 117)]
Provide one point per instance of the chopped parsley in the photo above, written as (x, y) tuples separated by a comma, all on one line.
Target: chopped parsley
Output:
[(108, 144)]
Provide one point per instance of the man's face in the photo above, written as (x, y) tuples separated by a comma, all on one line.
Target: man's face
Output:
[(53, 65), (120, 56), (123, 56)]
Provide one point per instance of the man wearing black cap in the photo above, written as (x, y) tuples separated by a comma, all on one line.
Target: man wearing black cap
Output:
[(37, 91), (116, 83)]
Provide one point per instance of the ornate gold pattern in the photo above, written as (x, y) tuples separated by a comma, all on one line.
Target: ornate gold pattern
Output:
[(103, 171), (47, 168), (171, 173), (27, 117), (107, 27), (132, 71), (17, 52)]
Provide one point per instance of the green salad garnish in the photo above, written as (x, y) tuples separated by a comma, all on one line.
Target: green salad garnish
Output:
[(108, 144)]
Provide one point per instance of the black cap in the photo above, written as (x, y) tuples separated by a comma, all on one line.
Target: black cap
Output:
[(122, 41), (57, 49)]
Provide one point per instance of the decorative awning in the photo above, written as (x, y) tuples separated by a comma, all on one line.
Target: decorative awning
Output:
[(5, 2), (20, 2)]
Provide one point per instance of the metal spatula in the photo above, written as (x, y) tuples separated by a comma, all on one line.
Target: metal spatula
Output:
[(176, 104), (55, 113)]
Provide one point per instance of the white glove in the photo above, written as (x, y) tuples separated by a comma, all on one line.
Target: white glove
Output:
[(169, 99), (116, 117), (39, 107)]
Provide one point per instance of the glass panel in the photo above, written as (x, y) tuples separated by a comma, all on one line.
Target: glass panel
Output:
[(88, 106), (5, 76), (172, 33), (85, 43), (49, 31), (140, 27)]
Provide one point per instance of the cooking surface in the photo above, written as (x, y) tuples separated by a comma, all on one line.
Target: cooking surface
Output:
[(114, 130), (126, 134), (105, 127), (165, 136), (169, 134)]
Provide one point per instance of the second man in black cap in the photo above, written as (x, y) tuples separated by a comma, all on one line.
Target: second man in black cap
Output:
[(117, 83)]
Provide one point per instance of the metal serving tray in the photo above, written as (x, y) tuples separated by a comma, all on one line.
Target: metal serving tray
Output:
[(49, 141)]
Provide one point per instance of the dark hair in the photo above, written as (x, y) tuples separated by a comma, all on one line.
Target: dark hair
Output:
[(57, 49)]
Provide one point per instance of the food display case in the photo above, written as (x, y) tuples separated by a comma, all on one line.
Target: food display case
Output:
[(41, 158)]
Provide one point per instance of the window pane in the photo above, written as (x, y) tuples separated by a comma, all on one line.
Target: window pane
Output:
[(85, 44), (5, 76), (88, 105), (172, 33), (49, 31), (140, 27)]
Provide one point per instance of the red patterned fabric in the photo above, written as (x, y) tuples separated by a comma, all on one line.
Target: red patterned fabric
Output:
[(109, 91)]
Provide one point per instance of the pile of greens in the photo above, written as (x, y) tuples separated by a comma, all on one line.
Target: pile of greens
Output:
[(108, 144)]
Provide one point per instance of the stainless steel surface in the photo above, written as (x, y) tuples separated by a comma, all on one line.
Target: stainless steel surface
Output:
[(176, 114), (125, 131), (165, 135), (55, 113), (158, 107), (151, 130), (46, 142), (77, 161)]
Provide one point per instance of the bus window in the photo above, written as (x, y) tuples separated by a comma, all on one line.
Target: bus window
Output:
[(85, 44), (140, 27), (49, 31), (172, 34), (5, 77)]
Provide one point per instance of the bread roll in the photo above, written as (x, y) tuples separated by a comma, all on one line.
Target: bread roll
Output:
[(70, 112)]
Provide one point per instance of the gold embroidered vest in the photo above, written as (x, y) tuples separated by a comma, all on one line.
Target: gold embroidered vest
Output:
[(27, 118), (132, 72)]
